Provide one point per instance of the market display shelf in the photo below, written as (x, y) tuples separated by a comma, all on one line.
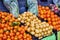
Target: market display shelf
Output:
[(2, 8)]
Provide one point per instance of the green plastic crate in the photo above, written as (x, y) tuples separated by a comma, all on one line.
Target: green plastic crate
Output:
[(58, 35), (52, 37)]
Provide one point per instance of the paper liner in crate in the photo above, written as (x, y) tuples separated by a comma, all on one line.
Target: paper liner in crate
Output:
[(12, 6), (57, 3), (32, 6)]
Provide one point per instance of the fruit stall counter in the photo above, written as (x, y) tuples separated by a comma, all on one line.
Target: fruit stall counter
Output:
[(45, 26), (14, 28)]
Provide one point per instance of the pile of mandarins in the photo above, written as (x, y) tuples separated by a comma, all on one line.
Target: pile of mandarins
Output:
[(10, 28), (47, 14)]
